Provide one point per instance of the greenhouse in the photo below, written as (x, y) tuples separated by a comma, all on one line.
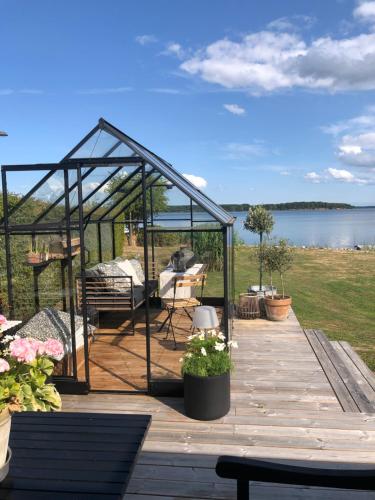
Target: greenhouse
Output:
[(111, 249)]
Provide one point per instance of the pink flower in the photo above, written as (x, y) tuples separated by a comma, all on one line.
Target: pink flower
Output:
[(4, 365), (3, 320), (24, 350), (54, 348), (38, 346)]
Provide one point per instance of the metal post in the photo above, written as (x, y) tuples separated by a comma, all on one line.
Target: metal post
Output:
[(191, 225), (226, 295), (36, 273), (147, 302), (243, 489), (70, 271), (100, 251), (152, 234), (8, 256), (113, 240), (63, 283), (83, 274)]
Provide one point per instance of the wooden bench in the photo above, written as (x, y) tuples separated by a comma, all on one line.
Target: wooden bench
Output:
[(351, 379), (113, 293)]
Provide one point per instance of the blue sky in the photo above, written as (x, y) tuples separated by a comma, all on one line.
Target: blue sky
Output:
[(265, 101)]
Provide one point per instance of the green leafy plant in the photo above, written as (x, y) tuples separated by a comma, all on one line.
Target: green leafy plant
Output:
[(260, 221), (207, 355), (25, 366), (209, 247), (277, 257)]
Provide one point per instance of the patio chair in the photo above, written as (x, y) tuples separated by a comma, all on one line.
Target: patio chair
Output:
[(193, 281), (244, 470)]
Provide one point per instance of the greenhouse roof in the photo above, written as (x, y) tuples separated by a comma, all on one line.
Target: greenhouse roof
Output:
[(107, 141)]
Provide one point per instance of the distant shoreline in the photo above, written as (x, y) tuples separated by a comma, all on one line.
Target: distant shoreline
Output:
[(298, 205)]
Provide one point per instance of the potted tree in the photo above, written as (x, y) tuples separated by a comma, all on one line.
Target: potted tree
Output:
[(278, 258), (206, 368), (25, 366), (259, 220)]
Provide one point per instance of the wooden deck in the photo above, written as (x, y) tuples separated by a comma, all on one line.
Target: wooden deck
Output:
[(283, 406), (118, 359)]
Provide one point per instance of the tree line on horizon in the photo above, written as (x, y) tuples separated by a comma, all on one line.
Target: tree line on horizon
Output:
[(294, 205)]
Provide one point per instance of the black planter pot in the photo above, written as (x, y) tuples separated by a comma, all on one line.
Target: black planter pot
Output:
[(207, 398)]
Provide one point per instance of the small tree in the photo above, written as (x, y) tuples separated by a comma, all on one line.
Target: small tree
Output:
[(284, 260), (259, 220), (277, 257)]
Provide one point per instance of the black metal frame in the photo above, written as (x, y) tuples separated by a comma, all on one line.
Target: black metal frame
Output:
[(243, 470), (148, 166)]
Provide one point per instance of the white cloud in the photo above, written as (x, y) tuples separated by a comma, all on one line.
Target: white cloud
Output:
[(313, 177), (267, 61), (235, 109), (31, 91), (340, 175), (355, 139), (243, 151), (350, 150), (365, 12), (108, 90), (346, 176), (90, 186), (361, 122), (358, 150), (174, 49), (295, 22), (21, 91), (198, 182), (145, 39), (166, 90), (285, 173)]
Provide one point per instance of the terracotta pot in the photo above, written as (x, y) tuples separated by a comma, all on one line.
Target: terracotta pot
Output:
[(5, 421), (277, 308)]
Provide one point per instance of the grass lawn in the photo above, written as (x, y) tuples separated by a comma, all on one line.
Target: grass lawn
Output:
[(331, 290)]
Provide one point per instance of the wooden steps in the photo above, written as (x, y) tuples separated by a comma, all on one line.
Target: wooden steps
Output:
[(351, 379)]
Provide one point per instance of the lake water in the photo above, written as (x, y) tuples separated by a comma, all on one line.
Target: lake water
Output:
[(317, 228)]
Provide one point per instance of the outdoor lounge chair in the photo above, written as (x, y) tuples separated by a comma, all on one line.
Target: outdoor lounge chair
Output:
[(109, 288), (244, 470)]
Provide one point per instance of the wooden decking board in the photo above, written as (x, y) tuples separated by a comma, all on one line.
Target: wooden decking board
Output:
[(360, 384), (367, 374), (283, 407), (343, 394), (346, 376)]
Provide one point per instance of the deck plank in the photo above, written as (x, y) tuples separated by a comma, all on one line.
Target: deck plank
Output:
[(283, 407)]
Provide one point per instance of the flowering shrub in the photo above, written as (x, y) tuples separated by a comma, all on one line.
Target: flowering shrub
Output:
[(25, 365), (207, 355)]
